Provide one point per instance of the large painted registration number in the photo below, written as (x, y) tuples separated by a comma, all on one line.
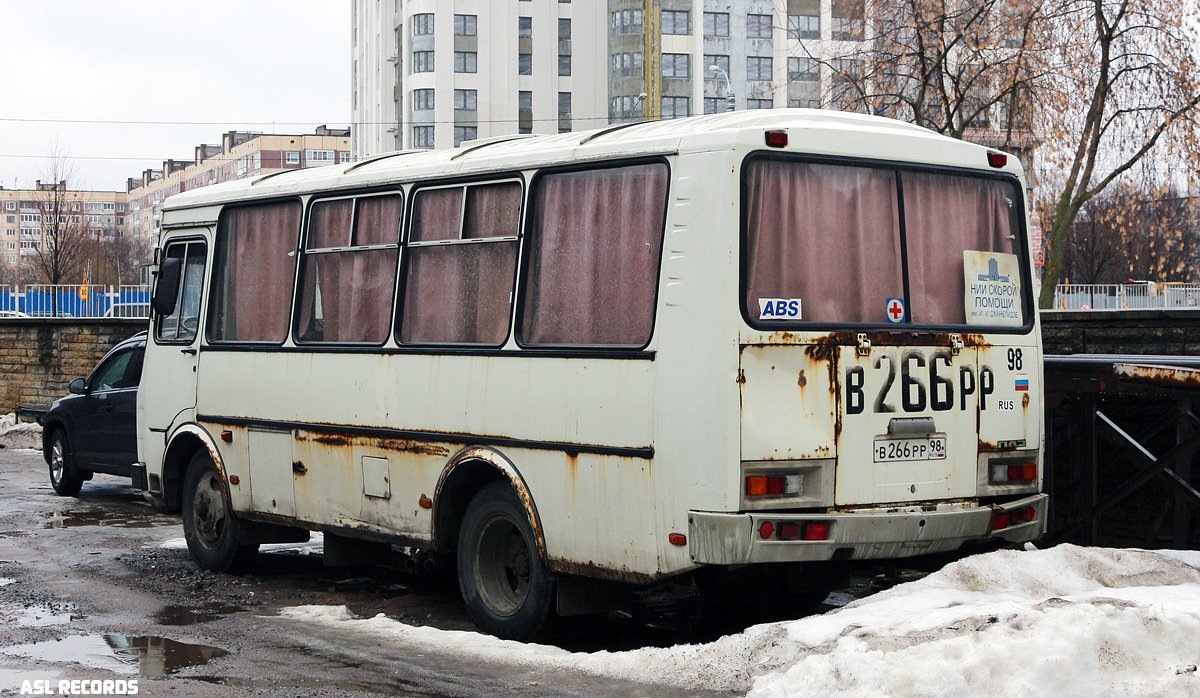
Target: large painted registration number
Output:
[(888, 450)]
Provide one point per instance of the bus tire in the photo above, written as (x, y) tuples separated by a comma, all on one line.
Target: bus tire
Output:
[(213, 534), (505, 585), (63, 478)]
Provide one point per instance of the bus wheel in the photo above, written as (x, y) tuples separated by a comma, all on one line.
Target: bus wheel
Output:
[(213, 535), (504, 582), (62, 475)]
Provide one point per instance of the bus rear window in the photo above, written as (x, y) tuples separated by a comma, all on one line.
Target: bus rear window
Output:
[(826, 244)]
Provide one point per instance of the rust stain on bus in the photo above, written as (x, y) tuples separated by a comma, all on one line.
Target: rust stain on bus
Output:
[(397, 445)]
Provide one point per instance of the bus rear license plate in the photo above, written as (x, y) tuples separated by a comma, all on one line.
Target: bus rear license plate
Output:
[(888, 450)]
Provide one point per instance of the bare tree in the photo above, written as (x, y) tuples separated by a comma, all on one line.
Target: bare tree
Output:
[(61, 255), (1124, 90), (122, 259)]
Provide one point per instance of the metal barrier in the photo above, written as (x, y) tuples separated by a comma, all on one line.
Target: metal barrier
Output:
[(1131, 296), (74, 300)]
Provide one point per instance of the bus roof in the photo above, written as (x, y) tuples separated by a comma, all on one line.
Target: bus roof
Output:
[(812, 131)]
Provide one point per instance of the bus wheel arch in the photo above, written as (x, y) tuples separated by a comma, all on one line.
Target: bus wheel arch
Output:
[(468, 472), (184, 444)]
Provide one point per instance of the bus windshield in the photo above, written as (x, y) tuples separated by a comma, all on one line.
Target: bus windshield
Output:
[(831, 244)]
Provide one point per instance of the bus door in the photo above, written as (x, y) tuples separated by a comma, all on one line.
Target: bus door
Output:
[(175, 342)]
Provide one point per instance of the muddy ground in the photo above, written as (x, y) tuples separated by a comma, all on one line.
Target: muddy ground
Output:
[(87, 591)]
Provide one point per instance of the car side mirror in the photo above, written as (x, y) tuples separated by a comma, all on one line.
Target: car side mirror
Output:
[(167, 288), (77, 387)]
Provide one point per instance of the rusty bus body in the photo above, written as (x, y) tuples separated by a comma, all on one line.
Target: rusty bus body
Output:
[(748, 424)]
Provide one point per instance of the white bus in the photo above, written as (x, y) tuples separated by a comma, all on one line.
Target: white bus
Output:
[(746, 345)]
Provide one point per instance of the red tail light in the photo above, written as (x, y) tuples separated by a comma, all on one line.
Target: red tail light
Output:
[(997, 159), (816, 531), (777, 139), (766, 529), (999, 521)]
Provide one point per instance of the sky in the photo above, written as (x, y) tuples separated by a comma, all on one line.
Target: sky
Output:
[(96, 79)]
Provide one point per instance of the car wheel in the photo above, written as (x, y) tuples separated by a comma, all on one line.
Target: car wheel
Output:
[(63, 478), (505, 584), (214, 535)]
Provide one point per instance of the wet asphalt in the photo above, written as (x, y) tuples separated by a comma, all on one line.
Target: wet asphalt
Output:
[(89, 592)]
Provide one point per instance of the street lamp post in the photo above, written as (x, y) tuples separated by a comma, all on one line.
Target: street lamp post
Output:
[(729, 103)]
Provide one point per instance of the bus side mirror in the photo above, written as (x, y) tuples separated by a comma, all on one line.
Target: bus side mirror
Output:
[(167, 288)]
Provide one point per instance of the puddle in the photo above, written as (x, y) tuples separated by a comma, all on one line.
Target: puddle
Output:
[(193, 615), (33, 615), (342, 686), (13, 534), (153, 657), (73, 519)]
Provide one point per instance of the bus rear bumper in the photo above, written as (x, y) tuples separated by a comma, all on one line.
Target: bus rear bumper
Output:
[(737, 539)]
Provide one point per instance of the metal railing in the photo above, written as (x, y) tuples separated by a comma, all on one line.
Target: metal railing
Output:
[(74, 300), (1131, 296)]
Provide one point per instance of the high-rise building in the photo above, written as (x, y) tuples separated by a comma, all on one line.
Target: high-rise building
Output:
[(433, 73)]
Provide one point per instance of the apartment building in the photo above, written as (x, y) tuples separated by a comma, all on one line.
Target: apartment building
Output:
[(240, 154), (433, 73), (29, 217)]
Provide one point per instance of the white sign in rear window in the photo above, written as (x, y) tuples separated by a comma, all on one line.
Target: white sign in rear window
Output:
[(993, 289)]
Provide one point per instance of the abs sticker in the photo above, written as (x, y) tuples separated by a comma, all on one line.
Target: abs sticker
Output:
[(778, 308)]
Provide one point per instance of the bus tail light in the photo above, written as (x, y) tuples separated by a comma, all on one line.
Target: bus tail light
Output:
[(777, 139), (997, 159), (999, 521), (1012, 473), (1016, 516), (763, 485), (795, 530)]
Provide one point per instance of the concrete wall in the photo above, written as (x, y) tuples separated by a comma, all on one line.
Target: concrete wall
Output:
[(38, 357), (1155, 332)]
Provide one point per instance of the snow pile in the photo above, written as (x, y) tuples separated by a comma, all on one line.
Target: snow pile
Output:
[(14, 434), (1065, 621)]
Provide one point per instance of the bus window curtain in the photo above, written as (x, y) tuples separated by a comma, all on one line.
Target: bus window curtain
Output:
[(594, 257), (260, 259)]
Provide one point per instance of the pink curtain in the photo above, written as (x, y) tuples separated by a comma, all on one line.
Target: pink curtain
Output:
[(346, 296), (828, 235), (944, 215), (254, 294), (595, 246), (460, 293)]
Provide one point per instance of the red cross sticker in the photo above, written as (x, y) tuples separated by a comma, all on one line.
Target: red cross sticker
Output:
[(895, 310)]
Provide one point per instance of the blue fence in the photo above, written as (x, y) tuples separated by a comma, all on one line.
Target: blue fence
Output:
[(75, 301)]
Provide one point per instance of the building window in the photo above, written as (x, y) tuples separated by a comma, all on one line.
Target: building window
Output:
[(524, 111), (847, 20), (626, 21), (564, 64), (804, 26), (758, 68), (525, 64), (423, 99), (292, 157), (758, 26), (759, 104), (805, 103), (466, 25), (466, 100), (422, 61), (804, 69), (676, 21), (676, 65), (12, 205), (628, 64), (721, 62), (716, 24), (564, 29), (564, 112), (423, 24), (674, 107), (422, 136), (712, 105), (525, 27), (466, 62), (318, 156), (465, 133)]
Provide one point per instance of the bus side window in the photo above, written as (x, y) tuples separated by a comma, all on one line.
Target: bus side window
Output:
[(594, 248), (254, 267), (183, 322)]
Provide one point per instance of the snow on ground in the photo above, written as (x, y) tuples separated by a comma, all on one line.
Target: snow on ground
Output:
[(314, 546), (1068, 621), (14, 434)]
